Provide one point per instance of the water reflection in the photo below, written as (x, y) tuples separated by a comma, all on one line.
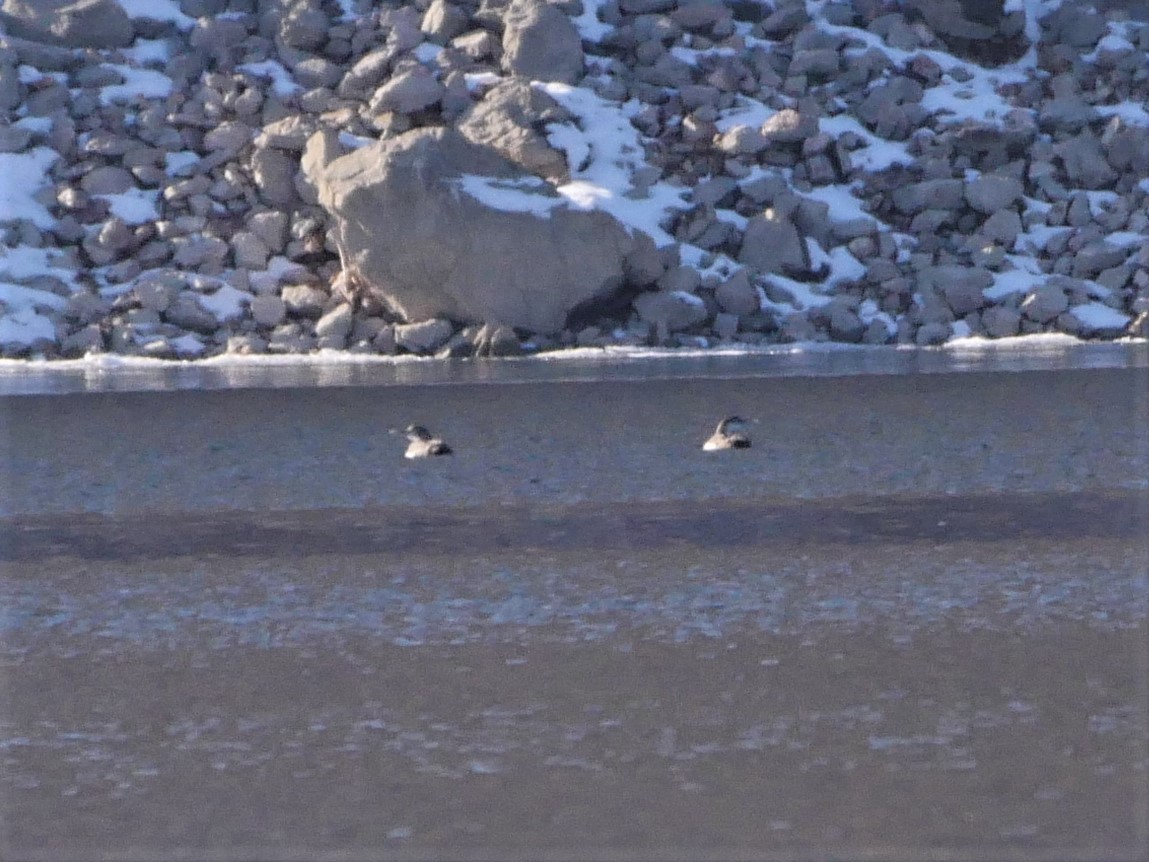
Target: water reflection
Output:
[(117, 374)]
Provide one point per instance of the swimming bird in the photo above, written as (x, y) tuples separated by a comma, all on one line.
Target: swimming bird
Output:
[(728, 435), (423, 444)]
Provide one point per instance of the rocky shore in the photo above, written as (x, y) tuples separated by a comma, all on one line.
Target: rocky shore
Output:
[(180, 180)]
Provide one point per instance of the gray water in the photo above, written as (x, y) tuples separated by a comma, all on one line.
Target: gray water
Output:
[(826, 360), (776, 695)]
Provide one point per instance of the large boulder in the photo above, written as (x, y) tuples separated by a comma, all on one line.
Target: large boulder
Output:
[(436, 226)]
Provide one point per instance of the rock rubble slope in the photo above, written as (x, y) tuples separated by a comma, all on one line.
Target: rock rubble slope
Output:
[(462, 177)]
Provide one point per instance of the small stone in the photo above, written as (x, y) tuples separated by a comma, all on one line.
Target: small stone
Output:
[(991, 193), (88, 339), (932, 333), (423, 337), (1044, 303), (107, 180), (1002, 227), (186, 313), (772, 243), (335, 324), (249, 251), (741, 140), (725, 325), (411, 90), (268, 311), (1091, 259), (442, 22), (1000, 321), (671, 311), (274, 175), (737, 295), (845, 325), (303, 300), (788, 126), (928, 195)]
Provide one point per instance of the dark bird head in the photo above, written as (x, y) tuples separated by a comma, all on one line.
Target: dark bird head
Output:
[(417, 432), (731, 423)]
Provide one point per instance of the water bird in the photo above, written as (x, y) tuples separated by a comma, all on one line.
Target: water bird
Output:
[(728, 435), (423, 444)]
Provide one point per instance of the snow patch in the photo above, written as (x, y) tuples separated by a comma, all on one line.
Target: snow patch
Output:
[(282, 84), (24, 175)]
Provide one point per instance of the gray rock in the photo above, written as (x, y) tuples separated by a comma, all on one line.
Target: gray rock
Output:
[(1001, 321), (772, 243), (940, 194), (87, 339), (11, 94), (784, 20), (932, 333), (271, 228), (1002, 227), (451, 255), (725, 325), (321, 149), (368, 72), (303, 300), (334, 327), (246, 343), (1067, 113), (274, 174), (845, 325), (186, 313), (424, 336), (199, 251), (512, 119), (442, 22), (962, 287), (13, 138), (496, 341), (990, 193), (249, 251), (413, 89), (317, 72), (69, 23), (737, 295), (1094, 257), (290, 338), (540, 42), (1084, 162), (789, 126), (304, 27), (820, 63), (1127, 149), (1044, 303), (741, 140), (269, 311), (228, 137), (670, 311), (218, 38), (476, 45), (684, 278), (107, 180)]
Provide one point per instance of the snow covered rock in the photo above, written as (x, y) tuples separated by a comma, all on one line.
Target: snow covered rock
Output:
[(438, 227)]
